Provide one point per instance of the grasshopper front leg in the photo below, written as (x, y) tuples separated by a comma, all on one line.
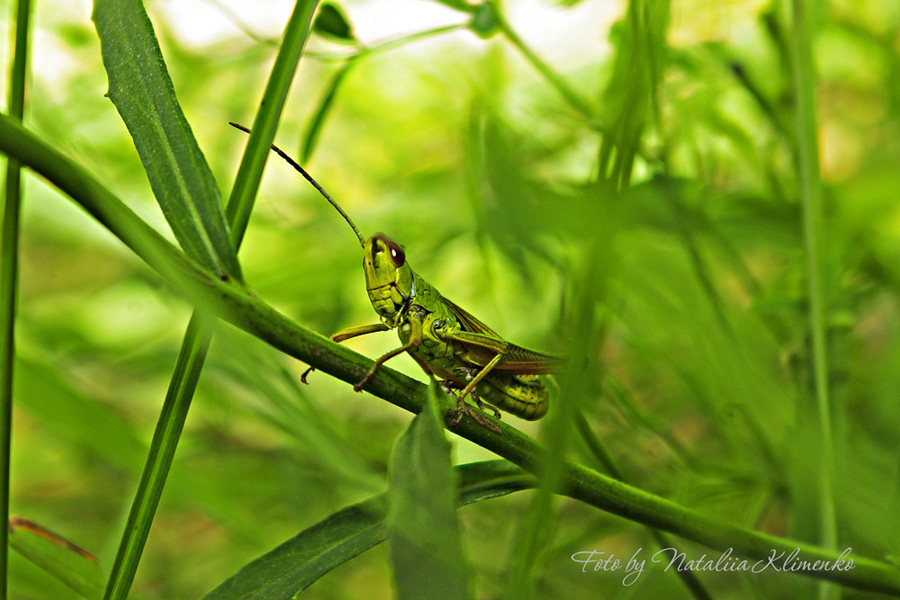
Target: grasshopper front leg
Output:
[(346, 334), (415, 339)]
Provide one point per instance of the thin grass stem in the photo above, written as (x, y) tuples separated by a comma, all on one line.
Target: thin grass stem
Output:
[(9, 273)]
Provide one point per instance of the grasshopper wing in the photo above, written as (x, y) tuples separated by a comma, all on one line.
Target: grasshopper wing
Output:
[(483, 344)]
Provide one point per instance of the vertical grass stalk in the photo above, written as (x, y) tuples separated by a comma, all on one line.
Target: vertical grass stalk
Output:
[(9, 274), (813, 238), (199, 332)]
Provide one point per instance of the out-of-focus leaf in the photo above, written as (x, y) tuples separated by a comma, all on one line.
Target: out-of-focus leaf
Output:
[(318, 120), (44, 395), (296, 564), (630, 96), (333, 23), (426, 549), (75, 567), (142, 91)]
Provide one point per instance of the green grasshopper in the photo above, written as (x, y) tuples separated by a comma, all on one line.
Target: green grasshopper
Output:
[(445, 340)]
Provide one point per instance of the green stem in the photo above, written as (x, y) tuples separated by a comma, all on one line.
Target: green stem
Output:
[(577, 102), (607, 462), (813, 237), (199, 331), (244, 309), (387, 44), (162, 451), (246, 184), (9, 275)]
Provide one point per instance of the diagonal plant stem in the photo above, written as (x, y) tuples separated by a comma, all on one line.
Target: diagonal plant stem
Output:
[(608, 463), (244, 309), (9, 274), (200, 328)]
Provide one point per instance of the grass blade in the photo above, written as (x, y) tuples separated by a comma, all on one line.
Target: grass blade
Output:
[(199, 332), (141, 89), (296, 564), (318, 120), (162, 452), (72, 565), (426, 549), (804, 83), (246, 184), (9, 273)]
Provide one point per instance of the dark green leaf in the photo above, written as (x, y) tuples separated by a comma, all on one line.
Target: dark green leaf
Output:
[(75, 567), (333, 23), (426, 549), (296, 564), (140, 87)]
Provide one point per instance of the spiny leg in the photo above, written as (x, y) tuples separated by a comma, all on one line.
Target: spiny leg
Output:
[(346, 334), (451, 387), (461, 406), (425, 367), (415, 339), (484, 405)]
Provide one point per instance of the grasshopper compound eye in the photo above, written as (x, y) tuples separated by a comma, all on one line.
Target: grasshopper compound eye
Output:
[(398, 257)]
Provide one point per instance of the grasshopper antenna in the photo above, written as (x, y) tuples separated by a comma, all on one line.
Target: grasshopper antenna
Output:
[(314, 183)]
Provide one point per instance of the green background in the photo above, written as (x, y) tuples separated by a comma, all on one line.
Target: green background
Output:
[(699, 353)]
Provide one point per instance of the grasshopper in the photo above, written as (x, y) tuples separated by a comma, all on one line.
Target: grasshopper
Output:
[(445, 340)]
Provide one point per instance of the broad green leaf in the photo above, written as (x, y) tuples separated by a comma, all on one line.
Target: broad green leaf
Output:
[(296, 564), (140, 88), (333, 23), (426, 548), (72, 565)]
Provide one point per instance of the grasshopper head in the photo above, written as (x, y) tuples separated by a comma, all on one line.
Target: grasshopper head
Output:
[(389, 279)]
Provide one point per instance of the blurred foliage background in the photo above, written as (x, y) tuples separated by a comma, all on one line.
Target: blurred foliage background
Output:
[(459, 149)]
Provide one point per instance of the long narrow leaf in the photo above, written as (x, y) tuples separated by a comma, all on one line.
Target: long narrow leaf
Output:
[(199, 332), (246, 183), (9, 272), (426, 549), (72, 565), (822, 485), (311, 137), (296, 564), (141, 89)]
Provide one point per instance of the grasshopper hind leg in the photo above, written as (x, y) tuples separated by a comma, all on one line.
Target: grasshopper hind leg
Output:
[(452, 388)]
